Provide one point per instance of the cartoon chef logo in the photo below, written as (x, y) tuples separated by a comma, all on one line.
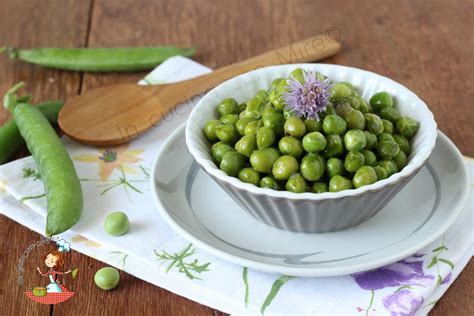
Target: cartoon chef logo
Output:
[(53, 270)]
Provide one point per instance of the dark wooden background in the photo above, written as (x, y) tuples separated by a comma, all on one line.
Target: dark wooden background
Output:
[(425, 45)]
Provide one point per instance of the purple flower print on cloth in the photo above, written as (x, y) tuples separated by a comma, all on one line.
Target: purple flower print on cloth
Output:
[(447, 278), (404, 272), (403, 303)]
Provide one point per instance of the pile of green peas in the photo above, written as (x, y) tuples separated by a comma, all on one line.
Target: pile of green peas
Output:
[(353, 144)]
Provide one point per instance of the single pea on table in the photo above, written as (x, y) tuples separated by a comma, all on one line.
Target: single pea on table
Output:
[(350, 143)]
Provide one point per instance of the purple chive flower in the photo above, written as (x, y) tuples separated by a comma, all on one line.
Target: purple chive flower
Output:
[(307, 99)]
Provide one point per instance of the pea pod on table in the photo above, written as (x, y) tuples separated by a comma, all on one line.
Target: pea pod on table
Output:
[(62, 186), (10, 137), (98, 59)]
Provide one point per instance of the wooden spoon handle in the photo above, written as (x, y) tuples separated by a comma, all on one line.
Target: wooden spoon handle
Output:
[(311, 49)]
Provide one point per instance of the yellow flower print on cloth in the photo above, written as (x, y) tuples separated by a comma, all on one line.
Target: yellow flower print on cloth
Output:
[(110, 159), (86, 241)]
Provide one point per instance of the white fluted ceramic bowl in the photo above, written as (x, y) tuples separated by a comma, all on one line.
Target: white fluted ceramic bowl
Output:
[(309, 212)]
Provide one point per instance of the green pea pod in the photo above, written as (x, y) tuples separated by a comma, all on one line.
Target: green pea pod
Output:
[(10, 137), (98, 59), (62, 186)]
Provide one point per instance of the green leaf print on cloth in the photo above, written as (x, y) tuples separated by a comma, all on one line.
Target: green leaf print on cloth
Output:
[(274, 291), (189, 268)]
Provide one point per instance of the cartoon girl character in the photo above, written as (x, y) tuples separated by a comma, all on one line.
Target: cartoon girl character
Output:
[(54, 260)]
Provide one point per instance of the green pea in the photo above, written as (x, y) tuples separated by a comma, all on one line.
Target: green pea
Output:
[(228, 106), (252, 127), (116, 223), (370, 159), (262, 160), (287, 113), (297, 74), (241, 124), (387, 126), (313, 126), (333, 146), (385, 136), (355, 120), (269, 109), (363, 106), (381, 100), (232, 163), (210, 130), (330, 110), (270, 182), (319, 76), (276, 99), (227, 133), (218, 150), (320, 187), (255, 105), (252, 115), (334, 125), (355, 140), (371, 140), (229, 119), (312, 167), (390, 167), (314, 142), (262, 95), (248, 175), (294, 126), (381, 172), (242, 107), (364, 176), (107, 278), (353, 161), (373, 123), (276, 94), (339, 183), (291, 146), (391, 114), (339, 92), (275, 121), (407, 127), (387, 149), (348, 84), (334, 166), (401, 160), (246, 145), (265, 137), (277, 82), (284, 167), (354, 102), (403, 143), (343, 109), (296, 183)]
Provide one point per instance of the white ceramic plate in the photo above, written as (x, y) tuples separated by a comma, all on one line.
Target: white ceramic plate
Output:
[(199, 210)]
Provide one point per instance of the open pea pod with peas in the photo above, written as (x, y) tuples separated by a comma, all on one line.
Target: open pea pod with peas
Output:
[(62, 186)]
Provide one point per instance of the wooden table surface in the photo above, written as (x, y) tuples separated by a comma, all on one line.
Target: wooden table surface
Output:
[(425, 45)]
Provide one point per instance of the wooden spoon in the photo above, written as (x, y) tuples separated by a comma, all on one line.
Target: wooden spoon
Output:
[(116, 114)]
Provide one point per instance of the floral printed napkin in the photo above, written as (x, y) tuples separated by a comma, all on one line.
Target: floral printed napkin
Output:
[(117, 179)]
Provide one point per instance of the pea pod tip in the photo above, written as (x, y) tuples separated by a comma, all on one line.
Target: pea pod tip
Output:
[(11, 51)]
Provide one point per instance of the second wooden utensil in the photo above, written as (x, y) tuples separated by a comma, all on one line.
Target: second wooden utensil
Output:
[(116, 114)]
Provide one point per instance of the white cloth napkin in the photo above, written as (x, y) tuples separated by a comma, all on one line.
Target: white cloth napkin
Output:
[(117, 179)]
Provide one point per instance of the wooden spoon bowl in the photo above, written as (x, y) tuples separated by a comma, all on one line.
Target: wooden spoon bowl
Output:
[(116, 114)]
